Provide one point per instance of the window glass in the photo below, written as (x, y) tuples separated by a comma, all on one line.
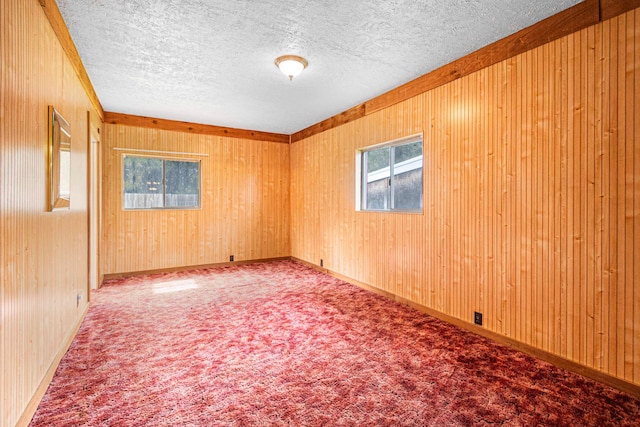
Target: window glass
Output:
[(407, 173), (392, 177), (378, 191), (181, 183), (65, 172), (153, 183)]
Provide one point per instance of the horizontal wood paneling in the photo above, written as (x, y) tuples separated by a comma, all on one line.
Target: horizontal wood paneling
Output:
[(531, 201), (154, 123), (43, 255), (245, 203)]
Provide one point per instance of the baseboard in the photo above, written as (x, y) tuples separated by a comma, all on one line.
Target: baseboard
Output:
[(601, 377), (190, 267), (32, 406)]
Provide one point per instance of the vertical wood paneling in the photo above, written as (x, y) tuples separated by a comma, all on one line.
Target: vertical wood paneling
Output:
[(629, 195), (634, 107), (43, 255), (245, 203), (531, 199), (610, 44)]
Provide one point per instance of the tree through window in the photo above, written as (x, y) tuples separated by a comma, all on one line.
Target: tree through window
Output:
[(156, 183), (392, 176)]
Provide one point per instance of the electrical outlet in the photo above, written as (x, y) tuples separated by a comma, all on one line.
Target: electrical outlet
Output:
[(231, 258), (321, 263), (477, 318)]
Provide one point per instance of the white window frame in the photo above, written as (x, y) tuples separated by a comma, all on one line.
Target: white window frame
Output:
[(361, 179)]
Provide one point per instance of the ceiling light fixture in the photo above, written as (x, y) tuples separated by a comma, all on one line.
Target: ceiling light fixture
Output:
[(291, 65)]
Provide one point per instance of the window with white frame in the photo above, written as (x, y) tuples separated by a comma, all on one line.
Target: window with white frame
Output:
[(158, 183), (390, 176)]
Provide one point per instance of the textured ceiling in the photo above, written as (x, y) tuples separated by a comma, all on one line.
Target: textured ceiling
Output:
[(211, 61)]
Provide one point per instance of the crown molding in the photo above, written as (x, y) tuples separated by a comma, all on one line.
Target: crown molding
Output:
[(155, 123)]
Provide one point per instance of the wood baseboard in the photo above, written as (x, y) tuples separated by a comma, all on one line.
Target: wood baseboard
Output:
[(601, 377), (189, 267), (617, 383), (32, 406)]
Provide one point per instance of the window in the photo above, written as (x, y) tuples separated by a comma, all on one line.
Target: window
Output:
[(155, 183), (391, 176)]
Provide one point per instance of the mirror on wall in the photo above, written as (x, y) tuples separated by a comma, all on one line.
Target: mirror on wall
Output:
[(59, 161)]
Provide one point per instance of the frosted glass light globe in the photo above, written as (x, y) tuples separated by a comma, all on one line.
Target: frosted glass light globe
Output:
[(291, 65)]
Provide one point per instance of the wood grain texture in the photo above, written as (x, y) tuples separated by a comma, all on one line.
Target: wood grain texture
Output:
[(52, 13), (94, 202), (154, 123), (245, 203), (531, 199), (564, 23), (561, 24), (43, 255), (192, 267), (625, 386), (332, 122), (612, 8), (32, 406)]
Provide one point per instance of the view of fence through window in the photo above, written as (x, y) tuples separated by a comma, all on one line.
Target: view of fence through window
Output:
[(392, 177), (154, 183)]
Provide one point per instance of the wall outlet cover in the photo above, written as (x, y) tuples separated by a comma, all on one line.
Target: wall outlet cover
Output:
[(477, 318)]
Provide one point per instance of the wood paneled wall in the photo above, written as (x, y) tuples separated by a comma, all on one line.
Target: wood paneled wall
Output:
[(245, 203), (531, 199), (43, 255)]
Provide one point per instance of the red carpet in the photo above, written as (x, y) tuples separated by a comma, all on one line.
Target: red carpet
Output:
[(281, 344)]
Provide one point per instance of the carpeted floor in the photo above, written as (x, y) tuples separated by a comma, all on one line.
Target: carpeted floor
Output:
[(281, 344)]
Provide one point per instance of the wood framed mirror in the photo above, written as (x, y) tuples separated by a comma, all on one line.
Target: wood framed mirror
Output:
[(59, 161)]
